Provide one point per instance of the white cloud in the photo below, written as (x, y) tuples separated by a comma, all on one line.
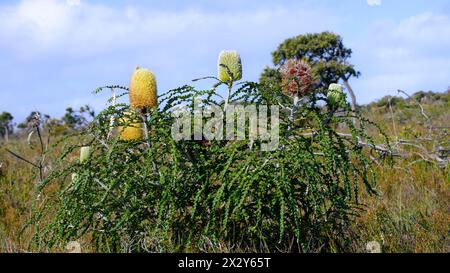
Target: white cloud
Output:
[(73, 2), (411, 54), (426, 30), (374, 2), (69, 50), (39, 27), (41, 23)]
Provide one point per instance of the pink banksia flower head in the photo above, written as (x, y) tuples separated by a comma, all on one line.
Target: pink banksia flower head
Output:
[(297, 78), (229, 66)]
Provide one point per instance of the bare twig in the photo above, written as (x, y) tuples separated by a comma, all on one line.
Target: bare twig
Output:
[(111, 120), (393, 118), (144, 123), (21, 158), (420, 105)]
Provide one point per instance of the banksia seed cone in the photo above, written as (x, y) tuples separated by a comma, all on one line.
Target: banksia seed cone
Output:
[(296, 78), (229, 59), (335, 95), (143, 93), (84, 153), (131, 131)]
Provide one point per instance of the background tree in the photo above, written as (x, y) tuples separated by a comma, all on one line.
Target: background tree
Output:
[(324, 51), (71, 120), (78, 119), (6, 126)]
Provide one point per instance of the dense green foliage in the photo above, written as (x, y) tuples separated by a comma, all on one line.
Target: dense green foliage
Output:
[(409, 215), (157, 194)]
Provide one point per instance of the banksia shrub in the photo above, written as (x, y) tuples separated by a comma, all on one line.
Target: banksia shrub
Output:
[(143, 91), (132, 128), (84, 153), (297, 78), (186, 195), (229, 66), (335, 95)]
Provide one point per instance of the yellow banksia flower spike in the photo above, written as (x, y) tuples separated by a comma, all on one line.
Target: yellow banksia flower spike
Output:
[(143, 91), (131, 131), (229, 59)]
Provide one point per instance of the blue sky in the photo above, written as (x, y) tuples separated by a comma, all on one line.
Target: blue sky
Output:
[(53, 53)]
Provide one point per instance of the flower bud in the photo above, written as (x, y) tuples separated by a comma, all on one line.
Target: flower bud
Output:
[(85, 152), (335, 95), (229, 66), (335, 87), (74, 177)]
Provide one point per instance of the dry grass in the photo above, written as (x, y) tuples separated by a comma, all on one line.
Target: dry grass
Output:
[(412, 212), (17, 182)]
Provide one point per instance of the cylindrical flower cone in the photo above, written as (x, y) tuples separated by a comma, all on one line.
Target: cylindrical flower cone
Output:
[(131, 131), (229, 66), (143, 91), (335, 95), (335, 87), (297, 78), (85, 152)]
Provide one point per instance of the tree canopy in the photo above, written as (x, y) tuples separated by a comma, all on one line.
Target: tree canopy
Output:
[(6, 126)]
